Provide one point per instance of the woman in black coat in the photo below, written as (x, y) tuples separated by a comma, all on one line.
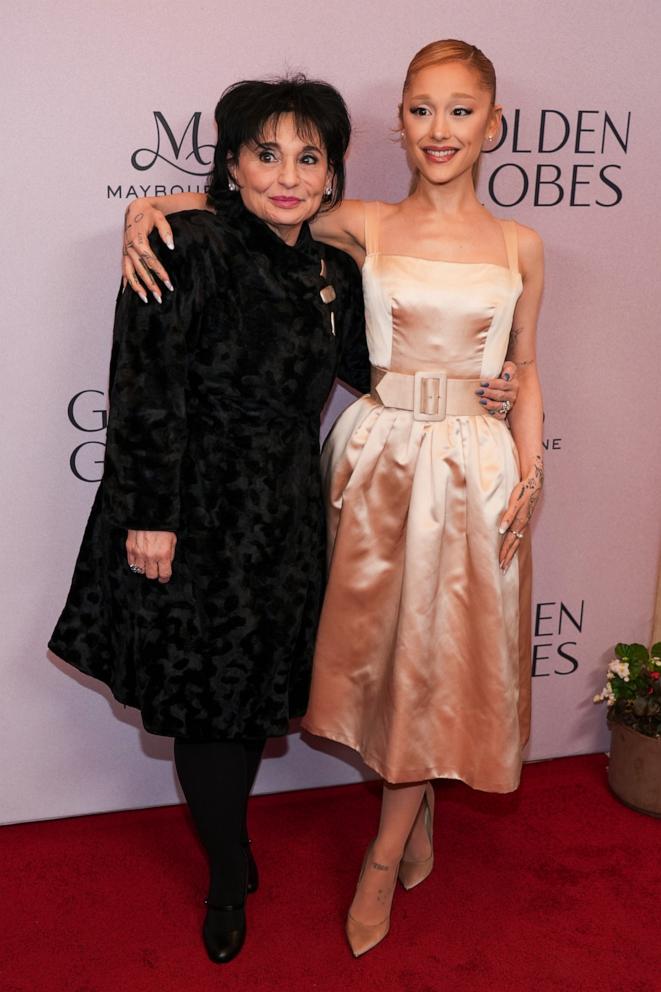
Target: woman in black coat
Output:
[(197, 588)]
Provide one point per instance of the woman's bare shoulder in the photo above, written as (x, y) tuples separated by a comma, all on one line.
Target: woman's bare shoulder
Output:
[(531, 248), (528, 237)]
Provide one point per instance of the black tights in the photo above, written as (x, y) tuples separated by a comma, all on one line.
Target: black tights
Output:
[(216, 778)]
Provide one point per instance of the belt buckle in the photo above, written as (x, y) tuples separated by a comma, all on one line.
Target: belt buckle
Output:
[(430, 394)]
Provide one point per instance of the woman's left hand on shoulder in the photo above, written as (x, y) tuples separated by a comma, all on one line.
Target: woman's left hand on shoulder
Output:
[(518, 515)]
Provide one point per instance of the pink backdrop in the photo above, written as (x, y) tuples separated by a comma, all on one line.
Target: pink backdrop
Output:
[(581, 95)]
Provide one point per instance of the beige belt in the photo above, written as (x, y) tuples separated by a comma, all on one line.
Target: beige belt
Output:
[(430, 395)]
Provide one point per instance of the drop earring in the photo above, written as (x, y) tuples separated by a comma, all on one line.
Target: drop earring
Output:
[(328, 192), (231, 185)]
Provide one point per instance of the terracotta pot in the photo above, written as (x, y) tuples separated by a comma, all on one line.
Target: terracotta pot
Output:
[(634, 769)]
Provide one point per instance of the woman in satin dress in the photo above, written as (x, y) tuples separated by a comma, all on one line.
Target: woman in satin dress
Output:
[(422, 662)]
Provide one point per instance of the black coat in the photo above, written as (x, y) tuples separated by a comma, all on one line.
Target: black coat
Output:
[(213, 432)]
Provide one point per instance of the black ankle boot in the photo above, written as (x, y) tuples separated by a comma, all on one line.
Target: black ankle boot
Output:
[(224, 928), (224, 932), (253, 874)]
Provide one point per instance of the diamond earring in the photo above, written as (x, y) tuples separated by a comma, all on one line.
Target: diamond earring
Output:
[(328, 192), (231, 185)]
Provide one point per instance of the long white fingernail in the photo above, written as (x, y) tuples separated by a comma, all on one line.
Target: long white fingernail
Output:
[(143, 297), (157, 296), (169, 285), (502, 529), (170, 245)]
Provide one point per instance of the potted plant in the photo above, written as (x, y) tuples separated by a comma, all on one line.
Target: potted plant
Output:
[(633, 695)]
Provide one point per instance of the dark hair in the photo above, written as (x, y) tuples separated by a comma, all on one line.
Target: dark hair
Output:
[(245, 108)]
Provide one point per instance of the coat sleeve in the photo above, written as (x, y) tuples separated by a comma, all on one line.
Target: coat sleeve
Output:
[(354, 364), (147, 423)]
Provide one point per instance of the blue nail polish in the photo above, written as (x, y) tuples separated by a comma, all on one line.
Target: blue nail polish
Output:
[(479, 392), (507, 376), (491, 412), (483, 402), (484, 383)]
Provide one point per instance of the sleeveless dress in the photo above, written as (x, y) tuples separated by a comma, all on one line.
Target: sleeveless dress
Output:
[(422, 662)]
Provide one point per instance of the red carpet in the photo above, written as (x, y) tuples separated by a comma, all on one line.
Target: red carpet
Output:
[(554, 888)]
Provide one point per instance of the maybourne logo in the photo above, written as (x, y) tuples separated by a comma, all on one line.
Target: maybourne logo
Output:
[(167, 145), (179, 147)]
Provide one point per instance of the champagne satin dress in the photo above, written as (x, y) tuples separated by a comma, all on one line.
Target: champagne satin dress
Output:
[(422, 661)]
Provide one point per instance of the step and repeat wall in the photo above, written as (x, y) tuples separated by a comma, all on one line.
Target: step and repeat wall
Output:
[(109, 101)]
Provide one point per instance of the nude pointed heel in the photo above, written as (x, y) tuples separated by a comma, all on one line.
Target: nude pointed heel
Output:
[(412, 873), (363, 937)]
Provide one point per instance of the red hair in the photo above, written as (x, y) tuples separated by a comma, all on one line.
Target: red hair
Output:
[(451, 50)]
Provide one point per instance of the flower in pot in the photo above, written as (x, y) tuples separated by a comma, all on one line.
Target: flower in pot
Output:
[(633, 695)]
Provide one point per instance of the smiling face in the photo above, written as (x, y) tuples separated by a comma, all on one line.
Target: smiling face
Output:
[(447, 115), (282, 177)]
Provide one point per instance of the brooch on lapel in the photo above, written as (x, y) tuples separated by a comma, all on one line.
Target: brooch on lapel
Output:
[(327, 293)]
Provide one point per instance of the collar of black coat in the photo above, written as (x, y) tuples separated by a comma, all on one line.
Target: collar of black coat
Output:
[(258, 236)]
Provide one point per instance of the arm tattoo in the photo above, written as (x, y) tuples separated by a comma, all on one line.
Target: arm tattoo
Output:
[(514, 334)]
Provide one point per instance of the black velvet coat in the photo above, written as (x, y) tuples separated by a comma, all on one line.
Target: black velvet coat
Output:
[(213, 433)]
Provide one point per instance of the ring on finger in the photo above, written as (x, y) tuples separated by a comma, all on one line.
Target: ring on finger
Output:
[(517, 533), (136, 569)]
